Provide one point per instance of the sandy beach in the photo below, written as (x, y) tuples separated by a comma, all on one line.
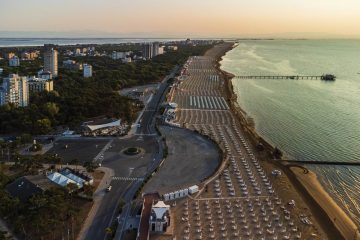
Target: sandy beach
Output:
[(337, 216), (332, 219)]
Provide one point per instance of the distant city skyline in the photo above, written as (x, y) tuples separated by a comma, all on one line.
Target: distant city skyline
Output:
[(159, 18)]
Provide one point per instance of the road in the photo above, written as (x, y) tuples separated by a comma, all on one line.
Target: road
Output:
[(125, 167), (147, 125)]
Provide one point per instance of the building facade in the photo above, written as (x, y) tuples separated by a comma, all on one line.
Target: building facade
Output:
[(51, 61), (14, 61), (15, 90), (160, 217), (155, 49), (40, 85), (87, 70), (148, 50), (29, 55)]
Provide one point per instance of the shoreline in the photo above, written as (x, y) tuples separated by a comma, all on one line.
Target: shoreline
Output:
[(324, 208)]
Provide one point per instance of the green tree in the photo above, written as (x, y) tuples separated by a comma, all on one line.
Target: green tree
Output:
[(43, 126)]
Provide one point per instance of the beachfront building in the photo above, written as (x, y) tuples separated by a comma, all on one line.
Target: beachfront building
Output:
[(87, 70), (14, 89), (160, 217), (14, 61), (40, 85), (51, 60)]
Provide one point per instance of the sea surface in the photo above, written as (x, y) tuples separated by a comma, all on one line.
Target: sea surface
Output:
[(11, 42), (310, 120)]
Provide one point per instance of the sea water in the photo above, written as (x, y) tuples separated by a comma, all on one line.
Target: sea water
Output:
[(309, 120)]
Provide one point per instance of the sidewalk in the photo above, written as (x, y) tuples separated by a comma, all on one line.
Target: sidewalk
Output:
[(98, 196)]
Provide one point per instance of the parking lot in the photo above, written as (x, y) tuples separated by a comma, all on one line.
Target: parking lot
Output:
[(191, 158), (82, 149)]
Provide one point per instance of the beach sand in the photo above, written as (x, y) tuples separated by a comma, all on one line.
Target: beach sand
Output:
[(337, 216)]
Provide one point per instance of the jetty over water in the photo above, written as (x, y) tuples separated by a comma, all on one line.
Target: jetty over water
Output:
[(322, 162), (324, 77)]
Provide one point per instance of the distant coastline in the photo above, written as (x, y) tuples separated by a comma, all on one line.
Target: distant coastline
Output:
[(29, 42)]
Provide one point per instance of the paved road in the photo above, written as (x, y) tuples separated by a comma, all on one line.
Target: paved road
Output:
[(147, 125), (139, 166)]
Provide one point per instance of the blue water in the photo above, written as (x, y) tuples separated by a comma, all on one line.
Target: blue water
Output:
[(307, 119)]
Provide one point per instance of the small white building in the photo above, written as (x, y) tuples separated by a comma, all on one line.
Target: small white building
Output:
[(1, 71), (160, 217), (193, 189), (87, 70), (14, 61)]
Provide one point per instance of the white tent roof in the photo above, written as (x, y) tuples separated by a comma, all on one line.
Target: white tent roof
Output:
[(111, 124), (161, 204), (61, 179), (75, 178)]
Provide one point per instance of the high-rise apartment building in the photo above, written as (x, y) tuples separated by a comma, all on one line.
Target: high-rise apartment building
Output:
[(51, 60), (155, 49), (148, 50), (14, 90)]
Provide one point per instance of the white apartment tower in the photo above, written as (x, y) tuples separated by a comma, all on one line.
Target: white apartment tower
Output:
[(87, 68), (51, 61), (155, 49), (15, 90)]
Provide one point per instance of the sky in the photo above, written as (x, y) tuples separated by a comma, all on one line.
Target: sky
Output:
[(179, 18)]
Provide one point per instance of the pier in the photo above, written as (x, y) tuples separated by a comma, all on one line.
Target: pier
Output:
[(322, 162), (324, 77)]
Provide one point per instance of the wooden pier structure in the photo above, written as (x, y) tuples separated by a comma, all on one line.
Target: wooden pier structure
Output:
[(348, 163), (325, 77)]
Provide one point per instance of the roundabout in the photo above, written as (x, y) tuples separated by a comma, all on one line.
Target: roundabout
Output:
[(132, 151)]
